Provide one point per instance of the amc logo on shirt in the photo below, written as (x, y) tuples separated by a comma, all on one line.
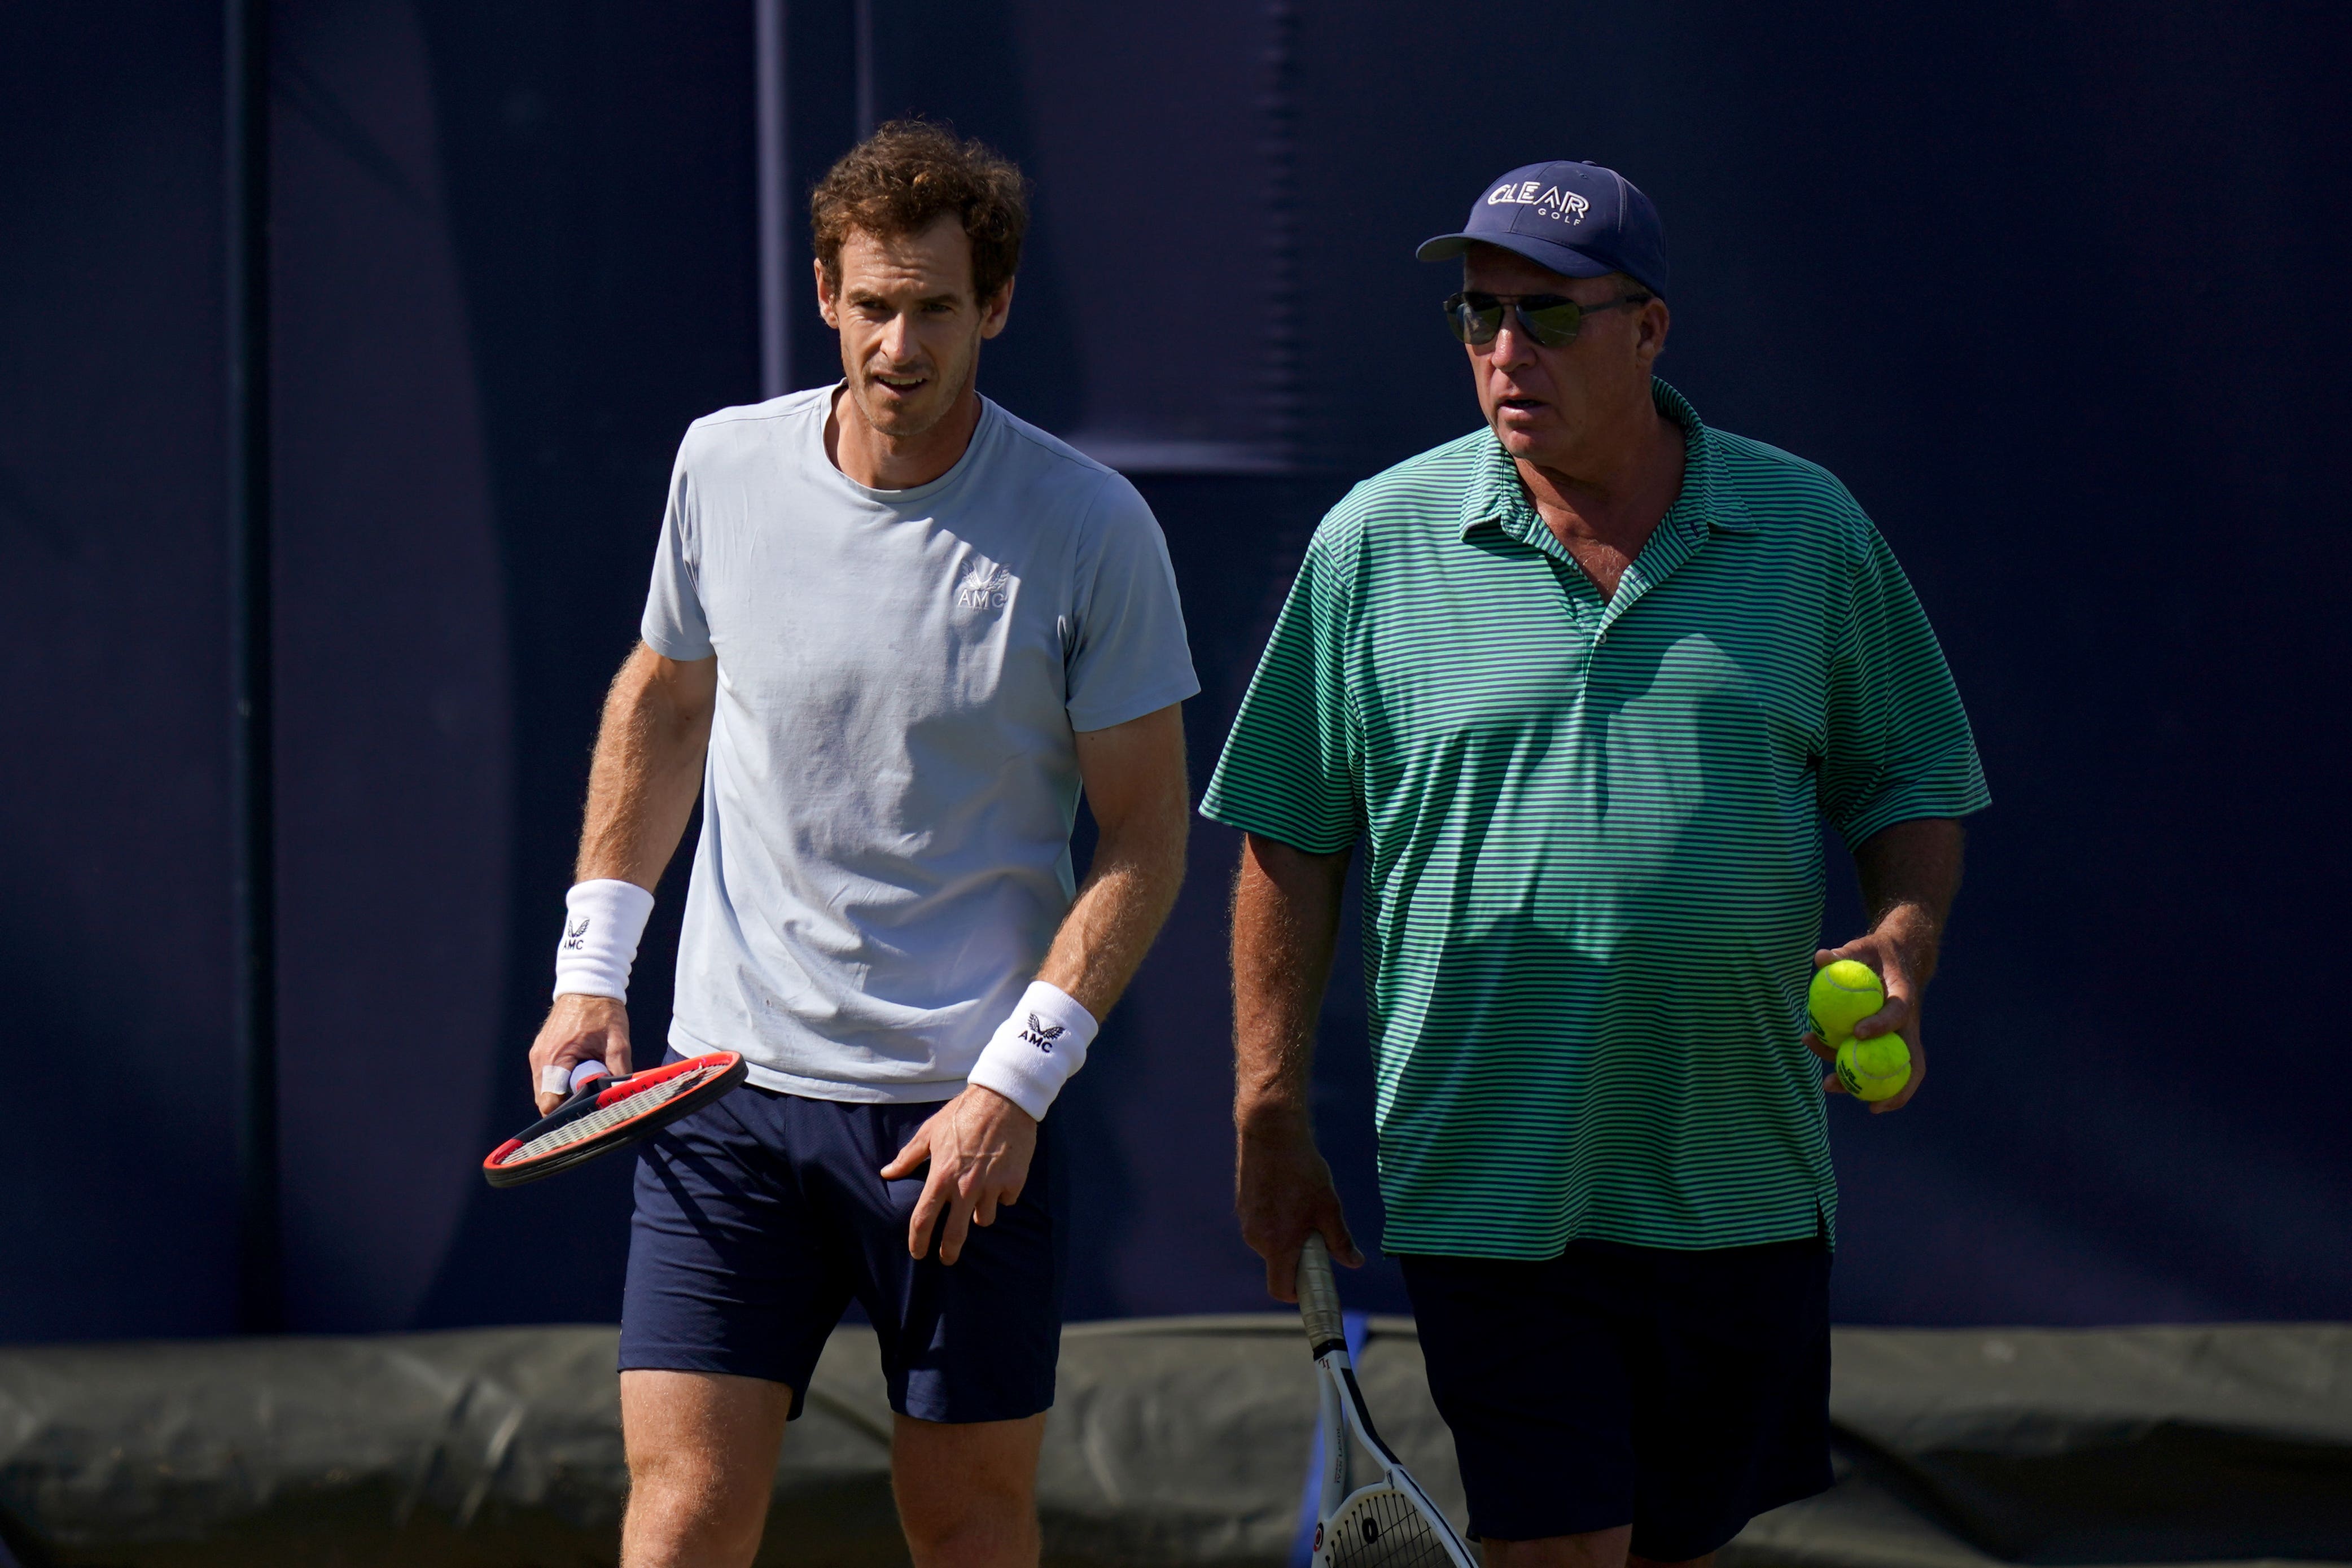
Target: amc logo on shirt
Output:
[(982, 587)]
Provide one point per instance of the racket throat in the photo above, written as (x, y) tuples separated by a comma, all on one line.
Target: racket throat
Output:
[(1340, 1382), (1338, 1468)]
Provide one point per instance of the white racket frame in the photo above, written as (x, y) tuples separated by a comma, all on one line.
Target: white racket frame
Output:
[(1343, 1410)]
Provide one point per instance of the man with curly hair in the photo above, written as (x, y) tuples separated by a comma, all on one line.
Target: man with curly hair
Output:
[(893, 632)]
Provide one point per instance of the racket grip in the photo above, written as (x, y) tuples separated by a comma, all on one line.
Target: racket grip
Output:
[(582, 1073), (1319, 1297)]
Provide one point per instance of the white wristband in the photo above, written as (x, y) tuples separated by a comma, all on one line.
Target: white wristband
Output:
[(602, 922), (1034, 1052)]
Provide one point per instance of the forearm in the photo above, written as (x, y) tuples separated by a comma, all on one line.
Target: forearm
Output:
[(1134, 778), (1286, 925), (1120, 909), (1910, 873), (647, 769)]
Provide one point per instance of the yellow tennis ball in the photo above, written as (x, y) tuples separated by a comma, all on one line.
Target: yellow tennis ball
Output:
[(1874, 1068), (1842, 995)]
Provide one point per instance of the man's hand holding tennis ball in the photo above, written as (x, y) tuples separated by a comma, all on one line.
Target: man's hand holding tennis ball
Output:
[(1909, 874), (1897, 1016)]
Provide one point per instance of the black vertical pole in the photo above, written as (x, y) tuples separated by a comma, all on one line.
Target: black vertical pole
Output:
[(254, 999), (774, 165), (862, 21), (1278, 159)]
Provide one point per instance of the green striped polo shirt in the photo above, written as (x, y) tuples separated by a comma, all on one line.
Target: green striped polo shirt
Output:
[(1592, 853)]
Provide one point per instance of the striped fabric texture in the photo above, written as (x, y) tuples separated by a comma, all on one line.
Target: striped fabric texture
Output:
[(1593, 873)]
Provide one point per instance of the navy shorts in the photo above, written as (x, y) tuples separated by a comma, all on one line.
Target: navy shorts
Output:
[(1681, 1393), (761, 1217)]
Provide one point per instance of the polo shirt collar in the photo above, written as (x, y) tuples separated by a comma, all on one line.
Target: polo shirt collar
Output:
[(1709, 500)]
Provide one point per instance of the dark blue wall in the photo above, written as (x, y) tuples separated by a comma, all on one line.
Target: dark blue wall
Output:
[(2055, 289), (114, 1136)]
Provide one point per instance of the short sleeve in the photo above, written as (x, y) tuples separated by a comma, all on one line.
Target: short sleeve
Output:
[(1290, 770), (1898, 745), (1127, 655), (673, 625)]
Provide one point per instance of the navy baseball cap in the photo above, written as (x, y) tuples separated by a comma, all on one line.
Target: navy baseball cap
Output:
[(1578, 219)]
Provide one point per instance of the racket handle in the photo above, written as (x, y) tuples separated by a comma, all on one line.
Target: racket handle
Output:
[(583, 1073), (1319, 1297)]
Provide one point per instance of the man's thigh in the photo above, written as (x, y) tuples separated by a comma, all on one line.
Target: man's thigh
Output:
[(1678, 1393), (969, 1344), (1530, 1372), (971, 1481), (735, 1267), (702, 1459), (759, 1218), (1731, 1415)]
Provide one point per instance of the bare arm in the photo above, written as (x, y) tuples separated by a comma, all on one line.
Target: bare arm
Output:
[(1286, 923), (979, 1143), (1134, 775), (648, 766), (1910, 874), (641, 790)]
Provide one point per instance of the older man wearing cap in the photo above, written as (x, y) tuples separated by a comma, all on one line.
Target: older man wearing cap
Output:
[(1582, 684)]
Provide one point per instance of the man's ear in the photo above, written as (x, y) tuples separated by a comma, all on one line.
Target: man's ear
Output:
[(992, 312), (824, 294), (1656, 321)]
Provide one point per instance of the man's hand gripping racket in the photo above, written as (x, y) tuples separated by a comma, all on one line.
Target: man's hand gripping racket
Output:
[(1391, 1522), (605, 1113)]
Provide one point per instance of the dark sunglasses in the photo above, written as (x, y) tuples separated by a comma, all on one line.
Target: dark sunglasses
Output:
[(1548, 318)]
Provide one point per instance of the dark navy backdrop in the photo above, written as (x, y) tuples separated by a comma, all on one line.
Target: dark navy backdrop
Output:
[(2055, 288)]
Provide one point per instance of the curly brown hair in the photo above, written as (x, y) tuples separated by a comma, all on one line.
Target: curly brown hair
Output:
[(904, 177)]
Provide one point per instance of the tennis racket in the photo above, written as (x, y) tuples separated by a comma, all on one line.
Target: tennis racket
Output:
[(605, 1113), (1388, 1522)]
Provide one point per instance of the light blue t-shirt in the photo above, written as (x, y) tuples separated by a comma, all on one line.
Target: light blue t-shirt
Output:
[(893, 773)]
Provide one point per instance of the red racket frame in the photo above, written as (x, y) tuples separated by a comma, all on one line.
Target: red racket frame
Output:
[(729, 1070)]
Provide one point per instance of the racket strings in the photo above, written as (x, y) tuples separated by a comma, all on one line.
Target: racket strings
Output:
[(1385, 1530), (605, 1117)]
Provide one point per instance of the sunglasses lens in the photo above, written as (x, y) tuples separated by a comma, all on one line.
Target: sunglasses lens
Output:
[(1475, 318), (1552, 324)]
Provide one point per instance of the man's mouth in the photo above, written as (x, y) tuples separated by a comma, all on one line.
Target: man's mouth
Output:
[(1523, 404), (902, 385)]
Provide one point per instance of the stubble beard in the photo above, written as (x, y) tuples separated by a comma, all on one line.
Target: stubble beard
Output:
[(902, 430)]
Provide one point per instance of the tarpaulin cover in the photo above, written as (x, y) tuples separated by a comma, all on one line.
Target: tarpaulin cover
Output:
[(2083, 1446), (1174, 1441)]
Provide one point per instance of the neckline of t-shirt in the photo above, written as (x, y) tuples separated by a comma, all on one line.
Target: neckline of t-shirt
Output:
[(981, 432)]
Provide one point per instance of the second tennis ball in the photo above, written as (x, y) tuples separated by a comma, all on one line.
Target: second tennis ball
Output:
[(1874, 1068), (1842, 995)]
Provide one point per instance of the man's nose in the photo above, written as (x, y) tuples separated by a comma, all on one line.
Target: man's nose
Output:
[(898, 339), (1512, 348)]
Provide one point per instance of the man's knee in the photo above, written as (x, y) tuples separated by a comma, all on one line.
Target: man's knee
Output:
[(702, 1458), (685, 1478), (967, 1493), (682, 1512), (970, 1524)]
